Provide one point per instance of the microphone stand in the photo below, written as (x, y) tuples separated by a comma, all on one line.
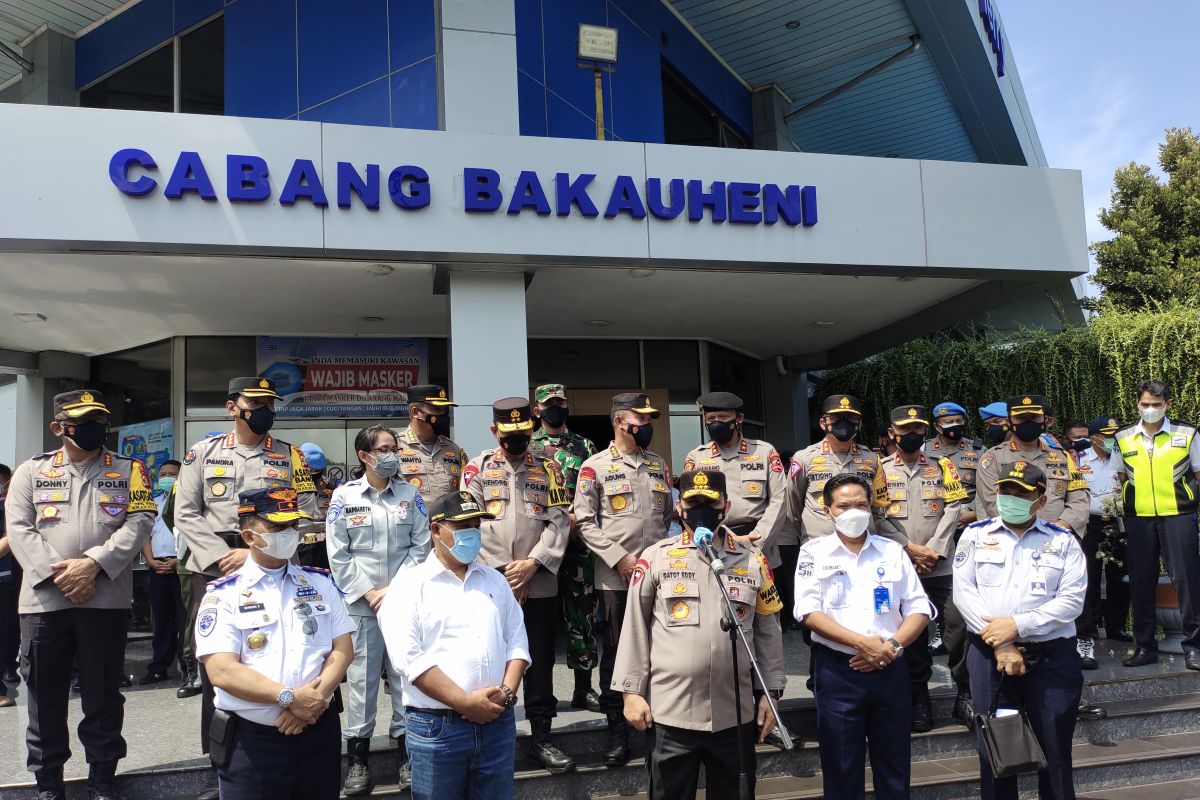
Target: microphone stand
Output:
[(729, 623)]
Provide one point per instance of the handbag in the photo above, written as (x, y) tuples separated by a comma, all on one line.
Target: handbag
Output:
[(1008, 741)]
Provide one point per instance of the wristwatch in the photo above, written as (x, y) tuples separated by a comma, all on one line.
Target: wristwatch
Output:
[(897, 647), (285, 697)]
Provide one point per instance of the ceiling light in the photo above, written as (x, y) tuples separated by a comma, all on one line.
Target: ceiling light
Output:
[(29, 316), (379, 270), (641, 272), (372, 319), (822, 323), (598, 323), (792, 24)]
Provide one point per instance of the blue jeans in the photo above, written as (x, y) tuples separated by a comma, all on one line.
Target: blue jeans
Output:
[(453, 758)]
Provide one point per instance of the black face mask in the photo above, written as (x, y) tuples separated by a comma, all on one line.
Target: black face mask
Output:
[(1029, 431), (515, 444), (911, 442), (642, 434), (721, 432), (952, 432), (259, 420), (703, 516), (555, 416), (995, 433), (440, 424), (843, 430), (1079, 445), (87, 436)]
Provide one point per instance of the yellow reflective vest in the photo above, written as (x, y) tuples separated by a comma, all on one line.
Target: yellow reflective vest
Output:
[(1159, 483)]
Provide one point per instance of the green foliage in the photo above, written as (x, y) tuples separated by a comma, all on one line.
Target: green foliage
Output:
[(1084, 371), (1155, 255)]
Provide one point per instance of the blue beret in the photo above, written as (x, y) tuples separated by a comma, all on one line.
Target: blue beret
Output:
[(314, 455), (996, 409), (946, 409)]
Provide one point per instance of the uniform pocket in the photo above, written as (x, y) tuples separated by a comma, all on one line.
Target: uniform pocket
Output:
[(989, 567), (429, 727), (51, 514), (682, 601), (619, 498), (360, 531), (835, 591)]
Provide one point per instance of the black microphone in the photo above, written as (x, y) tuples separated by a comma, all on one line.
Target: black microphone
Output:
[(703, 539)]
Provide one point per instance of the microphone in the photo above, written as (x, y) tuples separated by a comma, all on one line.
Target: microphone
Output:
[(703, 539)]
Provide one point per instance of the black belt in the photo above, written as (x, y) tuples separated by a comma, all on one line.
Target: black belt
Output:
[(829, 651), (1035, 648), (444, 713), (246, 726), (742, 528)]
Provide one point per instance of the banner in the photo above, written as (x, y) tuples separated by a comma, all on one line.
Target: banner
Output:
[(149, 442), (326, 377)]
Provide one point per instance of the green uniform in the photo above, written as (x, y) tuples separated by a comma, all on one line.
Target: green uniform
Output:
[(576, 576)]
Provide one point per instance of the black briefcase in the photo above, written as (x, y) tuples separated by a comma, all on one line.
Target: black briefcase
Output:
[(1008, 741)]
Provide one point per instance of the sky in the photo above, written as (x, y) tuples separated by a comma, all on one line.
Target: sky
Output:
[(1104, 79)]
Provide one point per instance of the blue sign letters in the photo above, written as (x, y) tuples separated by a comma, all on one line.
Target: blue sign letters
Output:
[(991, 26)]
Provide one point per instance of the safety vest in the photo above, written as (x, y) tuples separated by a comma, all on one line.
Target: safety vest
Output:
[(1160, 483)]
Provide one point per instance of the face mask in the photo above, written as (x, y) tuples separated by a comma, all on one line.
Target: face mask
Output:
[(1029, 431), (259, 420), (843, 430), (1079, 445), (164, 485), (1014, 510), (911, 442), (1109, 444), (467, 543), (703, 516), (952, 432), (515, 444), (642, 434), (852, 523), (386, 465), (721, 432), (555, 416), (995, 433), (440, 424), (281, 545), (87, 436), (1152, 415)]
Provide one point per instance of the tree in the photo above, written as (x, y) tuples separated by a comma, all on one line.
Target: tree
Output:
[(1155, 256)]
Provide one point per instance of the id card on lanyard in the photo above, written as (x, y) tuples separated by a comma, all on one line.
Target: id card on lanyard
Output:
[(883, 598)]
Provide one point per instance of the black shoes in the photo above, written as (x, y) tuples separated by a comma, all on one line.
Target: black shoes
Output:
[(1091, 712), (617, 754), (1141, 657), (11, 676), (922, 710), (1086, 647), (963, 711), (191, 680), (586, 700), (153, 677), (358, 776), (543, 751), (50, 784), (101, 782), (1120, 635), (1191, 659)]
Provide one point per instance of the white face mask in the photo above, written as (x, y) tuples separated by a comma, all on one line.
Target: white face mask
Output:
[(1152, 415), (852, 523), (281, 545)]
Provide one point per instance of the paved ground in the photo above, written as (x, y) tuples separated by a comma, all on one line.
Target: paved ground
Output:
[(162, 730)]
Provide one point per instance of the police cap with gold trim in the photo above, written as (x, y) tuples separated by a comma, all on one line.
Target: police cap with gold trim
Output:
[(719, 401), (903, 415), (842, 404), (512, 415), (79, 403), (1028, 404), (633, 401), (278, 505), (1024, 474), (702, 483), (1103, 425), (431, 394), (253, 387), (457, 506)]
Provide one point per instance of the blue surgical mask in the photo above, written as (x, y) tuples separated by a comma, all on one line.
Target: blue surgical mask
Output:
[(467, 543), (164, 484), (1014, 510)]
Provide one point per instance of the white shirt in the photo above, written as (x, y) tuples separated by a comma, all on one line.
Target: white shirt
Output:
[(1038, 579), (253, 614), (1193, 450), (836, 582), (470, 629), (1100, 476), (162, 538)]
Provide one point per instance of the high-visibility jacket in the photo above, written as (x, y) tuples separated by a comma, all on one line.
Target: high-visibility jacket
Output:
[(1158, 483)]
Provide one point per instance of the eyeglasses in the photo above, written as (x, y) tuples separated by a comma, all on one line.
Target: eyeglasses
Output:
[(383, 451), (305, 611)]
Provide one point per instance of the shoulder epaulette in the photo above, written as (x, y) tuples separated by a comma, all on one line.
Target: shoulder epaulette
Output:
[(1054, 527), (318, 570), (983, 523), (223, 581)]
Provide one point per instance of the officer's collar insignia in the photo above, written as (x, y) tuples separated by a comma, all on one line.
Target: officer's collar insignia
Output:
[(744, 447)]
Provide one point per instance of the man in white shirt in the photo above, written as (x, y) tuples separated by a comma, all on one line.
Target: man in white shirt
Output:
[(167, 614), (860, 596), (456, 633)]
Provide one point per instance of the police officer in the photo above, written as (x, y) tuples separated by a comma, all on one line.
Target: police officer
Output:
[(1096, 464), (429, 460), (1067, 500), (526, 540), (925, 498), (1019, 582), (623, 505), (1157, 461), (312, 541), (377, 525), (577, 575), (675, 665), (860, 596), (994, 417), (215, 471), (76, 518), (837, 453), (275, 640)]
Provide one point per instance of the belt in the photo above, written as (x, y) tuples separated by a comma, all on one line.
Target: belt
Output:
[(246, 726), (1034, 648), (444, 713), (742, 528), (829, 651)]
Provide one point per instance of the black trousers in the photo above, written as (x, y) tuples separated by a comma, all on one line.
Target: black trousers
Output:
[(52, 643), (785, 581), (199, 587), (676, 755), (541, 616), (1175, 538), (940, 589), (1116, 609), (271, 766), (169, 618), (10, 625), (608, 630)]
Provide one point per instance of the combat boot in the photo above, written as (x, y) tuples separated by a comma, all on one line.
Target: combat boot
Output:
[(543, 751), (617, 754), (358, 775)]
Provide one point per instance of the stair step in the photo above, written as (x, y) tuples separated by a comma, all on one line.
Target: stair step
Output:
[(1171, 790)]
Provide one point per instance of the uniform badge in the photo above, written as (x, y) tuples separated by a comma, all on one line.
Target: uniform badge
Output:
[(794, 469), (804, 567), (619, 502), (275, 456), (272, 473), (256, 640), (679, 564), (50, 512), (219, 471), (58, 497), (537, 509), (52, 473), (112, 511), (207, 621), (679, 588), (680, 610), (411, 468), (420, 506), (495, 506), (402, 509), (218, 489), (660, 487), (415, 481), (741, 610), (113, 475), (739, 571), (735, 592), (44, 497), (754, 488), (676, 552), (639, 571), (963, 553), (470, 472)]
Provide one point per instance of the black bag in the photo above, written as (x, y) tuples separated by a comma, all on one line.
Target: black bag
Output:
[(220, 737), (1008, 741)]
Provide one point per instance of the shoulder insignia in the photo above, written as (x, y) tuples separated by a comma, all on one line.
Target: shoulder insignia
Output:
[(318, 570), (189, 456), (1055, 527), (795, 468), (223, 581), (963, 552), (639, 571)]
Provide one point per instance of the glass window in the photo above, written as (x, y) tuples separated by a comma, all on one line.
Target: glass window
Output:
[(147, 84), (136, 383), (211, 362), (730, 371), (675, 365), (202, 69), (688, 118), (584, 363), (686, 433)]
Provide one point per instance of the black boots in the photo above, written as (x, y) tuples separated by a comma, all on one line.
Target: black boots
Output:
[(191, 680), (964, 712), (358, 776), (617, 754), (50, 784), (585, 697), (101, 782), (543, 751), (922, 710)]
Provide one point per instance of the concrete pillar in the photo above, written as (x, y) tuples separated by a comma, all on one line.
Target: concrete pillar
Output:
[(785, 406), (52, 82), (489, 358), (30, 419), (768, 106), (479, 66)]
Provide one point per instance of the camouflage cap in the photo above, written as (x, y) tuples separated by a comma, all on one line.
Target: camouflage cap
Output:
[(549, 390)]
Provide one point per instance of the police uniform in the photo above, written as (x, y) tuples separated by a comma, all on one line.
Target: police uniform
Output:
[(434, 468), (1066, 490), (623, 504), (871, 593), (1039, 580), (674, 653), (925, 498), (577, 574), (282, 625), (370, 536), (817, 463), (963, 454), (312, 551), (57, 510)]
